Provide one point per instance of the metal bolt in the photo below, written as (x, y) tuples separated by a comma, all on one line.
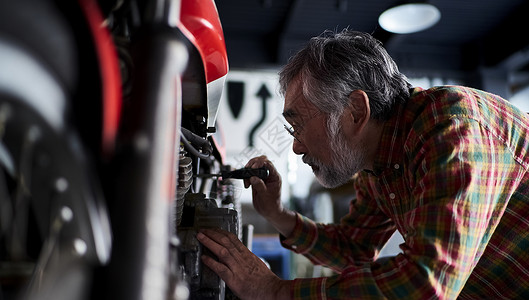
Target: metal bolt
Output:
[(61, 184), (80, 246), (181, 291), (66, 214)]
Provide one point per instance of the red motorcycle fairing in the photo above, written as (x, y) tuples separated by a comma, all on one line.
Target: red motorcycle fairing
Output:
[(200, 23)]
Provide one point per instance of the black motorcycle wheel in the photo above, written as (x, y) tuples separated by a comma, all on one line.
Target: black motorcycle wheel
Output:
[(54, 227)]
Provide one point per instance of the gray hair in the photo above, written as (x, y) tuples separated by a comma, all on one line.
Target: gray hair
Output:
[(333, 65)]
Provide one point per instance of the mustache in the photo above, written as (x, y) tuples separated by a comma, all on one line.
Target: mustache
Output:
[(311, 161)]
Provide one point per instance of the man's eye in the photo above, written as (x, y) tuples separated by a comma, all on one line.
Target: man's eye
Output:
[(289, 129)]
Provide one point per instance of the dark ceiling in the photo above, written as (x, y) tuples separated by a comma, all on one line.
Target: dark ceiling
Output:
[(472, 35)]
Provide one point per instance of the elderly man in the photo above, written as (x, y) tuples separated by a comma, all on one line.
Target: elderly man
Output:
[(446, 167)]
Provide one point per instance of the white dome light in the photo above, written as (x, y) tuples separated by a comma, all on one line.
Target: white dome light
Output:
[(409, 18)]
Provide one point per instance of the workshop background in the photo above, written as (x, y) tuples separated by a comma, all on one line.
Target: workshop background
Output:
[(107, 172), (482, 44)]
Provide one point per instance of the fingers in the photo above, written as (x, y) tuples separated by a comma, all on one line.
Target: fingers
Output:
[(219, 268), (255, 162), (261, 161), (258, 162), (225, 245), (217, 237), (229, 250), (246, 274)]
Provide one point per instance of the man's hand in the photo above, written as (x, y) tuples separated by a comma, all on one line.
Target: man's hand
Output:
[(246, 274), (266, 196)]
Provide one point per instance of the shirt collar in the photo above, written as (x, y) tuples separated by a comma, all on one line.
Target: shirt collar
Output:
[(391, 147)]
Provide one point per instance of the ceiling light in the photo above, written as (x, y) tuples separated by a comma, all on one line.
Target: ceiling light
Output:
[(409, 18)]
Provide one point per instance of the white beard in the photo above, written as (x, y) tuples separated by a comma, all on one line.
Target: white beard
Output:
[(345, 163)]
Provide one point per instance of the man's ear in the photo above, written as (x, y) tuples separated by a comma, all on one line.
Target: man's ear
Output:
[(358, 109)]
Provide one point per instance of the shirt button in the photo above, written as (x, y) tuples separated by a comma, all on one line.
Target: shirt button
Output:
[(392, 195), (396, 166)]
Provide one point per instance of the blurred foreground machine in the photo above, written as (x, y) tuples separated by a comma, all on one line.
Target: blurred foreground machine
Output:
[(107, 125)]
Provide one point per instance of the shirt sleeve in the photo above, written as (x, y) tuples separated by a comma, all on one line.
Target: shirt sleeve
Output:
[(357, 239), (458, 192)]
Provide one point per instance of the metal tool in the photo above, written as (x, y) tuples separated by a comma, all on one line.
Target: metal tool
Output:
[(243, 173)]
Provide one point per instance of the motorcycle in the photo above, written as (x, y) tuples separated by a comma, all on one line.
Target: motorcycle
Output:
[(107, 126)]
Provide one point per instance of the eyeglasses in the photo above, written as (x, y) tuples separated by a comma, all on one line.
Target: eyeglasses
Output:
[(296, 133), (292, 132)]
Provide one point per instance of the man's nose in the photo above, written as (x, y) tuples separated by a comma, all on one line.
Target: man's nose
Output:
[(298, 147)]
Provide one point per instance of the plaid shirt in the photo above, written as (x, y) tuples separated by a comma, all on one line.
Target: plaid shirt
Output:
[(451, 176)]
